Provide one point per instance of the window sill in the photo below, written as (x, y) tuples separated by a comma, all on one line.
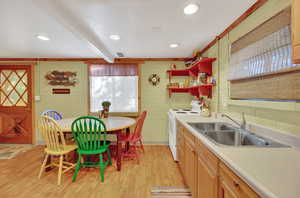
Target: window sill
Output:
[(122, 114), (281, 106)]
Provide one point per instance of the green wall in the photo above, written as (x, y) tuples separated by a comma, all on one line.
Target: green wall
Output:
[(278, 115), (70, 105), (154, 99)]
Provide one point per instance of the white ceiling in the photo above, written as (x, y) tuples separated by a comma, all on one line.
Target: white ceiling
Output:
[(146, 27)]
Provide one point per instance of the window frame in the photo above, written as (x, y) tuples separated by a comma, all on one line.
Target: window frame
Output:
[(127, 114)]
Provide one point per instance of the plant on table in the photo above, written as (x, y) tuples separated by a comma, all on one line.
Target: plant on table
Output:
[(105, 109)]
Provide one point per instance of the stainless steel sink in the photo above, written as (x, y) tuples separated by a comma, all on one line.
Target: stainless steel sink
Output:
[(234, 138), (225, 134), (211, 126)]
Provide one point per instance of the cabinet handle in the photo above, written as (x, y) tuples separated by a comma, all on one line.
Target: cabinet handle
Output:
[(236, 184)]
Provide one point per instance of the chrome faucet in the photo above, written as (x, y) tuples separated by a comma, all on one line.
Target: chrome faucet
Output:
[(242, 125)]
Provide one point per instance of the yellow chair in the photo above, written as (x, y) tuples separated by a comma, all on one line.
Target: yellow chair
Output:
[(55, 146)]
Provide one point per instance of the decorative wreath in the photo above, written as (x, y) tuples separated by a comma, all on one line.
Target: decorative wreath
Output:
[(154, 79)]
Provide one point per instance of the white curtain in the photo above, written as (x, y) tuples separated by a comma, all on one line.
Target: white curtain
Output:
[(270, 54)]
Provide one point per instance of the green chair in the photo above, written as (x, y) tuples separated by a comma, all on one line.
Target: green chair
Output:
[(90, 136)]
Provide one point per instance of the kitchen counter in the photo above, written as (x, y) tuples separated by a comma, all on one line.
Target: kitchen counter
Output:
[(271, 172)]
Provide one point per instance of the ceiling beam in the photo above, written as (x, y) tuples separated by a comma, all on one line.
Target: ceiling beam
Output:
[(75, 25), (95, 59)]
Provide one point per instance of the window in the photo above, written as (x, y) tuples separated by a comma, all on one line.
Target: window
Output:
[(261, 62), (116, 83), (270, 54)]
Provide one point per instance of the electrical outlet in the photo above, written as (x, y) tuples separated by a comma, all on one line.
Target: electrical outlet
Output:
[(37, 98)]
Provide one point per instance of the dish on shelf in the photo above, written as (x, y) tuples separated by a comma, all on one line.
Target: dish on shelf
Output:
[(173, 85)]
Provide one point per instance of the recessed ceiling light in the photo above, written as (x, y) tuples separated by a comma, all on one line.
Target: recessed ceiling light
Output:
[(156, 28), (174, 45), (191, 9), (43, 37), (114, 37)]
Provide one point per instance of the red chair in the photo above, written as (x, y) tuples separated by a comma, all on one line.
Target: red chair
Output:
[(133, 138)]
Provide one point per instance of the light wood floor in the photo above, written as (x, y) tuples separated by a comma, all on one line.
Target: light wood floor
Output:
[(18, 177)]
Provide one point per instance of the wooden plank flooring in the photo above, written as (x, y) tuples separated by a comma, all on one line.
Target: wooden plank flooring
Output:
[(18, 177)]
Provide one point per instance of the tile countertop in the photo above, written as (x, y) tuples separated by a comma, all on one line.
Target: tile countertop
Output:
[(271, 172)]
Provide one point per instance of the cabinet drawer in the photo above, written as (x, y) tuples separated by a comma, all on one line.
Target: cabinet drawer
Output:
[(296, 30), (235, 184), (208, 157), (296, 53), (296, 22)]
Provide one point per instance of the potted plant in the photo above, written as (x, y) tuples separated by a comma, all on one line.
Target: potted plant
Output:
[(105, 109)]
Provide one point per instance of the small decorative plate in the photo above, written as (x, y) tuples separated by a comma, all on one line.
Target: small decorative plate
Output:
[(154, 79)]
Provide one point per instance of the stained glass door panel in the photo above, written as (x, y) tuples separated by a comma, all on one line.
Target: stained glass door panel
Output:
[(15, 104)]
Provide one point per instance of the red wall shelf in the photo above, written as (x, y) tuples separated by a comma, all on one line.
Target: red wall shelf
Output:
[(200, 90), (179, 90), (178, 72), (203, 65)]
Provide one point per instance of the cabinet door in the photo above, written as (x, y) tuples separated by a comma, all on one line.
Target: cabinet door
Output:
[(180, 153), (190, 167), (207, 180), (296, 30), (232, 186), (225, 191)]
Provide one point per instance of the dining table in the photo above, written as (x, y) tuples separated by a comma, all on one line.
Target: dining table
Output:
[(114, 125)]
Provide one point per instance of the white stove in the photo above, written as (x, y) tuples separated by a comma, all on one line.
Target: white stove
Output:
[(184, 112), (172, 114)]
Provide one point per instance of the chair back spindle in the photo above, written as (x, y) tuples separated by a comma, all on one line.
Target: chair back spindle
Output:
[(53, 114), (52, 134), (139, 126), (89, 133)]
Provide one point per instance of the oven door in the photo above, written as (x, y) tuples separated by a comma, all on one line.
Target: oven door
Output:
[(172, 134)]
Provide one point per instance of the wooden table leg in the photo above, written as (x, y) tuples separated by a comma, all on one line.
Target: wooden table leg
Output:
[(127, 143), (119, 151)]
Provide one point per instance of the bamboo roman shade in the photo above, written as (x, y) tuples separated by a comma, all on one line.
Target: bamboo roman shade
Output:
[(261, 64), (272, 25), (284, 86)]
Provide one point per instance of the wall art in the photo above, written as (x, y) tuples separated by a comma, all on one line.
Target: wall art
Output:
[(57, 78)]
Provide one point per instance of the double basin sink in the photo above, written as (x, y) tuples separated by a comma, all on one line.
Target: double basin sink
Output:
[(225, 134)]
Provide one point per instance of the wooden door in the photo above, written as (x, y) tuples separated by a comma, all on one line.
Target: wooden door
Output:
[(16, 107), (296, 30), (207, 180), (191, 170)]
